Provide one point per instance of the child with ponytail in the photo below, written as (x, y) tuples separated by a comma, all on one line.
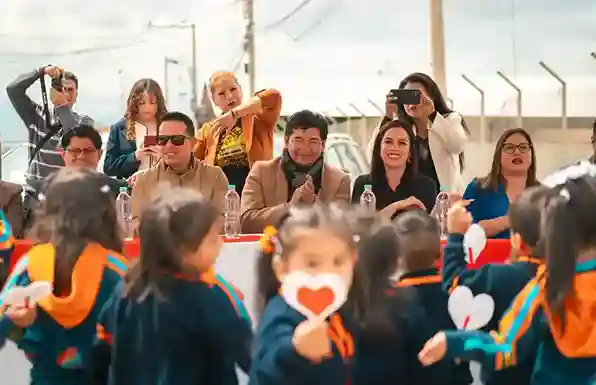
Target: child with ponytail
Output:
[(291, 348), (554, 312)]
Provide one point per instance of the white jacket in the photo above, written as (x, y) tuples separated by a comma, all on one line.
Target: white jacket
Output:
[(446, 139)]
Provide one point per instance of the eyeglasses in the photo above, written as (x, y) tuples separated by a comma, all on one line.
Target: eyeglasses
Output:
[(509, 148), (176, 140), (78, 152)]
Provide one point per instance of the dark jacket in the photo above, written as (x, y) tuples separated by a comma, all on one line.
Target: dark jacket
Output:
[(12, 205), (120, 161)]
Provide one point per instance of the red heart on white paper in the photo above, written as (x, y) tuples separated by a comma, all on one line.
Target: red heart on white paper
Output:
[(470, 312), (314, 295)]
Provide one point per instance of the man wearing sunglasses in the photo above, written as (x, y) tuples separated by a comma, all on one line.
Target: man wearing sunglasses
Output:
[(178, 166)]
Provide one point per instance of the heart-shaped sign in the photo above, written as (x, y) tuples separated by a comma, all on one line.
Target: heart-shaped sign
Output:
[(26, 295), (474, 242), (318, 295), (470, 312)]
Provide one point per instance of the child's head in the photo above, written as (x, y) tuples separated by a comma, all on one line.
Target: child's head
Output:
[(524, 222), (419, 240), (569, 231), (76, 208), (312, 239), (179, 235)]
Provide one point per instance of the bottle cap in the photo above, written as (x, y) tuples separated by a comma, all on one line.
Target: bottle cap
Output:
[(123, 189), (231, 187), (368, 186)]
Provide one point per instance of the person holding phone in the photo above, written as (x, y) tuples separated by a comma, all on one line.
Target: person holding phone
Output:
[(132, 144), (441, 133)]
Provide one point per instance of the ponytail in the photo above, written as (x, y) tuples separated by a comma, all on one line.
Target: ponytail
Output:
[(560, 234)]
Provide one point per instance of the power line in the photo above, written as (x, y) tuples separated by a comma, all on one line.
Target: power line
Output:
[(323, 16), (80, 51), (289, 15)]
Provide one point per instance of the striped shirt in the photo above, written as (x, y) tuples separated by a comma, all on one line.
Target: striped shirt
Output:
[(31, 113)]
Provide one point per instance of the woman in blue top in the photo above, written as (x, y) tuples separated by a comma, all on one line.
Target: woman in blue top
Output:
[(513, 169), (128, 149)]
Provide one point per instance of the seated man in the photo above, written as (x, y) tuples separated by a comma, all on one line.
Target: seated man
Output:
[(298, 176), (81, 147), (178, 166)]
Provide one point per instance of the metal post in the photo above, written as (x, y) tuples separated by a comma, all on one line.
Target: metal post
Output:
[(249, 44), (564, 120), (482, 107), (437, 44), (348, 123), (195, 93), (364, 128), (165, 79), (520, 119), (377, 107)]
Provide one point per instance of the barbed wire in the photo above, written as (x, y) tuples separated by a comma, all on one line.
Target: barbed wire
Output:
[(75, 52), (333, 6), (288, 15)]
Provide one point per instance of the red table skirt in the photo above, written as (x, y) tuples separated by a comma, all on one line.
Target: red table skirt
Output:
[(496, 251)]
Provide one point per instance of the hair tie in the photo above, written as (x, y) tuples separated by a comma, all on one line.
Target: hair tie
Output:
[(269, 239)]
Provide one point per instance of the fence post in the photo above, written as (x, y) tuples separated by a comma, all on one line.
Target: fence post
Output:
[(520, 121), (482, 107), (564, 120)]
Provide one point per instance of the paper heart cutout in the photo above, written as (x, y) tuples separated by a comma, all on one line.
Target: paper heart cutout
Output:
[(318, 295), (474, 242), (470, 312), (24, 295)]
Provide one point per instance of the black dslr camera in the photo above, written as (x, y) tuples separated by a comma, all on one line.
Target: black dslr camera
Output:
[(57, 81)]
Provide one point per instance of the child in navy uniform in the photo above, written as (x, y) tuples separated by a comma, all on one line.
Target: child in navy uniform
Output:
[(291, 349), (171, 322), (415, 306), (501, 281), (78, 251), (554, 312)]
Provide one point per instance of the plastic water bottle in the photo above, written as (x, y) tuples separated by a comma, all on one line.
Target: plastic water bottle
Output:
[(124, 211), (440, 210), (368, 198), (232, 213)]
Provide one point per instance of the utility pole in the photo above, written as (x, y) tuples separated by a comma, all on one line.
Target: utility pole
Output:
[(437, 44), (249, 44)]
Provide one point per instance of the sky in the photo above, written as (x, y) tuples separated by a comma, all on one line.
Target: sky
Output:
[(330, 55)]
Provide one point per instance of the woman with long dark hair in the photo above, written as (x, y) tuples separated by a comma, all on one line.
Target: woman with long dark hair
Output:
[(394, 178), (130, 147), (513, 170), (441, 133)]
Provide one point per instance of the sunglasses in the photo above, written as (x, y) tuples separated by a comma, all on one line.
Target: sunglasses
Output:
[(176, 140), (523, 148)]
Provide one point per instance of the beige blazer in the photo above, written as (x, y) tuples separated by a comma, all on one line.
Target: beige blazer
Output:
[(208, 180), (446, 139), (265, 195)]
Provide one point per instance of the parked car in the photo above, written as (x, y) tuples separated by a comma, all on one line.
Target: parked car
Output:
[(341, 151)]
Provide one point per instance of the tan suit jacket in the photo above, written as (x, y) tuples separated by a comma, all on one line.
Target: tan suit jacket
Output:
[(208, 180), (265, 195)]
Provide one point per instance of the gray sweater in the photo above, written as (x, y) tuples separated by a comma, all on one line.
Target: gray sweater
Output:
[(48, 158)]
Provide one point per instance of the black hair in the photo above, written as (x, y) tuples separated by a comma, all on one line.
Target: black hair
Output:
[(334, 219), (67, 75), (305, 119), (377, 167), (432, 88), (82, 131), (419, 237), (378, 253), (76, 209), (176, 116), (569, 229), (525, 216), (176, 222)]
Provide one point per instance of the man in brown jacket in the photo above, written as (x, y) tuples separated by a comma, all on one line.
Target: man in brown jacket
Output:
[(299, 176), (178, 166), (243, 133), (11, 203)]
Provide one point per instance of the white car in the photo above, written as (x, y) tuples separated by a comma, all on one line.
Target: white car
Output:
[(341, 151)]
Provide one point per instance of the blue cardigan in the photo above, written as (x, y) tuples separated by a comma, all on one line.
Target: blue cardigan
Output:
[(120, 161)]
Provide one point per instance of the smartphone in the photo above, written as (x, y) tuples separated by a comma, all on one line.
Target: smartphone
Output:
[(404, 96), (150, 140)]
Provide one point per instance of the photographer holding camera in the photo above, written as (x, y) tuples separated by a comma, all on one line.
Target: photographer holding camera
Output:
[(45, 126)]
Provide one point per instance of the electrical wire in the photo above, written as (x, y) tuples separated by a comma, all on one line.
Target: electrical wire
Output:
[(76, 52), (289, 15), (513, 37), (323, 17)]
